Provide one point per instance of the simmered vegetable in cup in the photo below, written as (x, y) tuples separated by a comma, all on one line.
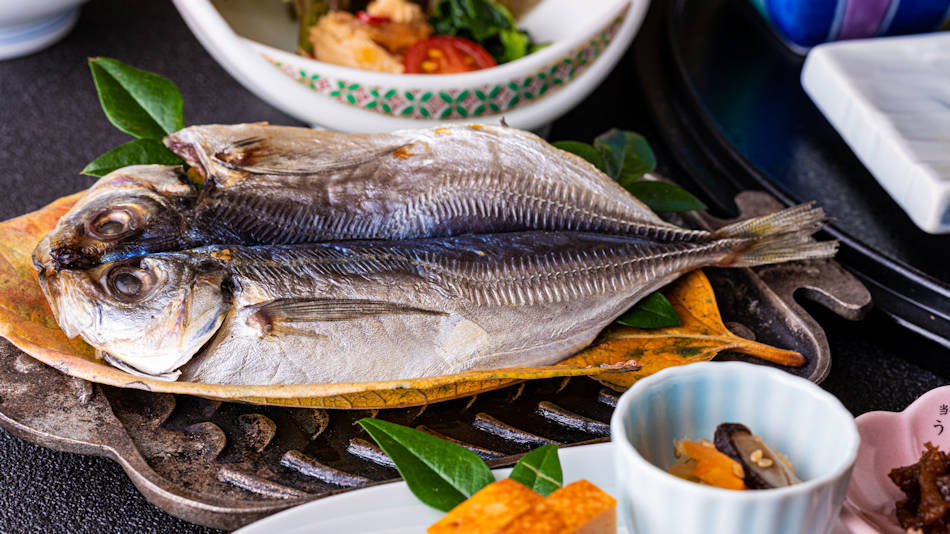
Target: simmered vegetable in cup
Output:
[(737, 459)]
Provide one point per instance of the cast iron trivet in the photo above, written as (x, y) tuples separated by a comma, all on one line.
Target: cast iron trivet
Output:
[(225, 464)]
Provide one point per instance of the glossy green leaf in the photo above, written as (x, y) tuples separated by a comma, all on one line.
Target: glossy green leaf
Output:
[(439, 473), (588, 152), (140, 103), (137, 152), (654, 311), (661, 196), (627, 154), (540, 470)]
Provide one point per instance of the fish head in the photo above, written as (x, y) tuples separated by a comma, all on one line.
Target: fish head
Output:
[(128, 212), (153, 313)]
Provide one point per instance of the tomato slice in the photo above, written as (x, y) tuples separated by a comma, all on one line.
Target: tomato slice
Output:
[(443, 54)]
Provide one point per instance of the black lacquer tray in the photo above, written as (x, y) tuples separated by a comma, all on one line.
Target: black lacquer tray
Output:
[(725, 95)]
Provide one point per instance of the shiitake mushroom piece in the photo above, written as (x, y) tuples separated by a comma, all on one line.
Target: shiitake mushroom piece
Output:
[(764, 469)]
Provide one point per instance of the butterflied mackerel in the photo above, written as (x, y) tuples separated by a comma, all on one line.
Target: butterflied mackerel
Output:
[(379, 310), (282, 185)]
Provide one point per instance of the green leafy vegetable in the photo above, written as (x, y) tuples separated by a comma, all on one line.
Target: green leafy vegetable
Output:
[(514, 44), (654, 311), (534, 47), (484, 21), (585, 151), (439, 473), (134, 152), (539, 470), (308, 13), (628, 155), (661, 196), (141, 104)]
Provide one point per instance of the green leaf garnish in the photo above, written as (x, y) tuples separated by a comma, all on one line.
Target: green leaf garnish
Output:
[(627, 157), (654, 311), (540, 470), (588, 152), (137, 152), (140, 103), (627, 154), (661, 196), (439, 473)]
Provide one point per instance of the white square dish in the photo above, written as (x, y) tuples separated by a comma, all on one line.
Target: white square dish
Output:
[(889, 98)]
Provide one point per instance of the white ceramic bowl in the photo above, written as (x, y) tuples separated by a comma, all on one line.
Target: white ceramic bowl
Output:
[(255, 41), (791, 414), (27, 26)]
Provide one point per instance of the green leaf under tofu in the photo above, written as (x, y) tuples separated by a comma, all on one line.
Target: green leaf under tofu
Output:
[(540, 470), (439, 473)]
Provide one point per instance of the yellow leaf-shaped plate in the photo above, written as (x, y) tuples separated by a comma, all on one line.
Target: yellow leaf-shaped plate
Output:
[(26, 320)]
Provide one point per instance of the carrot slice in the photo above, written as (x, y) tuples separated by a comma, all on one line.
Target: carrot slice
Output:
[(713, 467)]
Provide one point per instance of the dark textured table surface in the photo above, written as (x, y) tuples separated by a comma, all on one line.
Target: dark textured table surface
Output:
[(51, 126)]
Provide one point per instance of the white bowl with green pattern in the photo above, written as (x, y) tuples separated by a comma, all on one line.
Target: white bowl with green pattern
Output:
[(255, 42)]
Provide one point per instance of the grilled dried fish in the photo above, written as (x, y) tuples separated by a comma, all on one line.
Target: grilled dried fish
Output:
[(375, 310), (282, 185)]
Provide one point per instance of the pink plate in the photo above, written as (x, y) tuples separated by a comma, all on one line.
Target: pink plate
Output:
[(889, 440)]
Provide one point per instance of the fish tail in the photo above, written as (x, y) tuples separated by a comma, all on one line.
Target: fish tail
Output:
[(781, 248), (801, 218), (778, 237)]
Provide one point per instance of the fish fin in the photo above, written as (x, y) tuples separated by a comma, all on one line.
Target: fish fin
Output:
[(779, 248), (122, 366), (803, 218), (264, 316), (277, 329), (777, 237)]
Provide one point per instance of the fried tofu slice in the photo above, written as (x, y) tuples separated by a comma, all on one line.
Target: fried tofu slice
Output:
[(488, 511), (578, 508)]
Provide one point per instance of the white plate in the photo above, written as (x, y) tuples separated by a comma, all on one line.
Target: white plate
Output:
[(392, 509), (889, 98)]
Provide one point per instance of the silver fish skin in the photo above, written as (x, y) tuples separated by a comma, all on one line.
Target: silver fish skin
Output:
[(296, 185), (378, 310), (283, 185)]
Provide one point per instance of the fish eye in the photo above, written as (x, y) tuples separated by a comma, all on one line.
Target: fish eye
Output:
[(128, 283), (111, 224)]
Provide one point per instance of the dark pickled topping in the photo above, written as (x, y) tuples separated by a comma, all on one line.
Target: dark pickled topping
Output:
[(763, 467), (926, 485)]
